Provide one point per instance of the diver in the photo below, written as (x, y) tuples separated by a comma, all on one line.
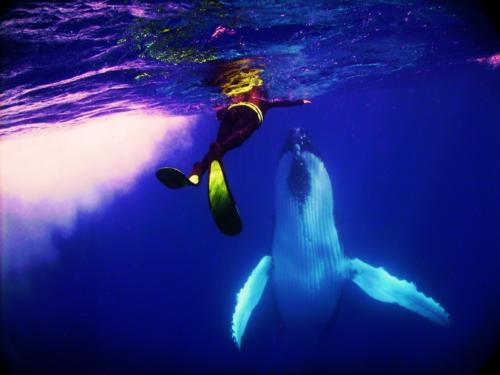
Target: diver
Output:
[(238, 120)]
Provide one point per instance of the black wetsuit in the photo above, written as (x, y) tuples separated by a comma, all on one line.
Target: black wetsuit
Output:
[(237, 124)]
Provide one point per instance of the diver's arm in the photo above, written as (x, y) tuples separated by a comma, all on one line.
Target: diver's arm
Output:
[(268, 104)]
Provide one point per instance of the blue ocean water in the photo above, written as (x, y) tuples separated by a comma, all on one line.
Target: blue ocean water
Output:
[(104, 270)]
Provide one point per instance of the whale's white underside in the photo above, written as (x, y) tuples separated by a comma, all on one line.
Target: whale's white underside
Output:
[(307, 256)]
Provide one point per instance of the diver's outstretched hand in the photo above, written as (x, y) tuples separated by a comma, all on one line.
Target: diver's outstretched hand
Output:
[(306, 101)]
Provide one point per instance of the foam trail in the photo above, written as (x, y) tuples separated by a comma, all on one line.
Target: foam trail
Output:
[(47, 177)]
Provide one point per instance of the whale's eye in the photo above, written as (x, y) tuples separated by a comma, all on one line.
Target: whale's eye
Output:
[(299, 182)]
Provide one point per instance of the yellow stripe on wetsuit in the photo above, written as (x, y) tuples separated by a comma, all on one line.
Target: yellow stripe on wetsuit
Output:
[(252, 106)]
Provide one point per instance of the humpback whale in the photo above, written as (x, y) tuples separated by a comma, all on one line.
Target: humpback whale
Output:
[(307, 265)]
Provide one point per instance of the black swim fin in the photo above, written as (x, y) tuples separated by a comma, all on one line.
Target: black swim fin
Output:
[(222, 205), (173, 178)]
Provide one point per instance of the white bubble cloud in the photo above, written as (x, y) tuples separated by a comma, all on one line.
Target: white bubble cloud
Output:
[(48, 176)]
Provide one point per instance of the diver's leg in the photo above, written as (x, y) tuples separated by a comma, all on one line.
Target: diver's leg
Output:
[(199, 168), (174, 178), (227, 139), (236, 138)]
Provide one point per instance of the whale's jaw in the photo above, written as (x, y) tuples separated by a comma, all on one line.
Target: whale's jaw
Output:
[(308, 260)]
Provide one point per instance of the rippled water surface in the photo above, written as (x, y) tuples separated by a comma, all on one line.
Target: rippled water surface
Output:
[(73, 60)]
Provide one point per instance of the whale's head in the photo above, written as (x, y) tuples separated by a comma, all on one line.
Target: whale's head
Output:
[(298, 174), (302, 179)]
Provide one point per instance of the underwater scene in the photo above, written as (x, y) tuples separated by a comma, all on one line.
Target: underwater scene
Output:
[(250, 187)]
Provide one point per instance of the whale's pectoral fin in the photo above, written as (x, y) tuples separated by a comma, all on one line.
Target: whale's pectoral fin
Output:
[(380, 285), (248, 297)]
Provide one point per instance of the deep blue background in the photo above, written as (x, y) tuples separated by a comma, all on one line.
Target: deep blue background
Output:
[(148, 284)]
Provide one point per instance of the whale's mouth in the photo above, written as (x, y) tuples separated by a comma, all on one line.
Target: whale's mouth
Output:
[(299, 177)]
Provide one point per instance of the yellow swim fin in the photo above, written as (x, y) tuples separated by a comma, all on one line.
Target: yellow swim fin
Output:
[(222, 205)]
